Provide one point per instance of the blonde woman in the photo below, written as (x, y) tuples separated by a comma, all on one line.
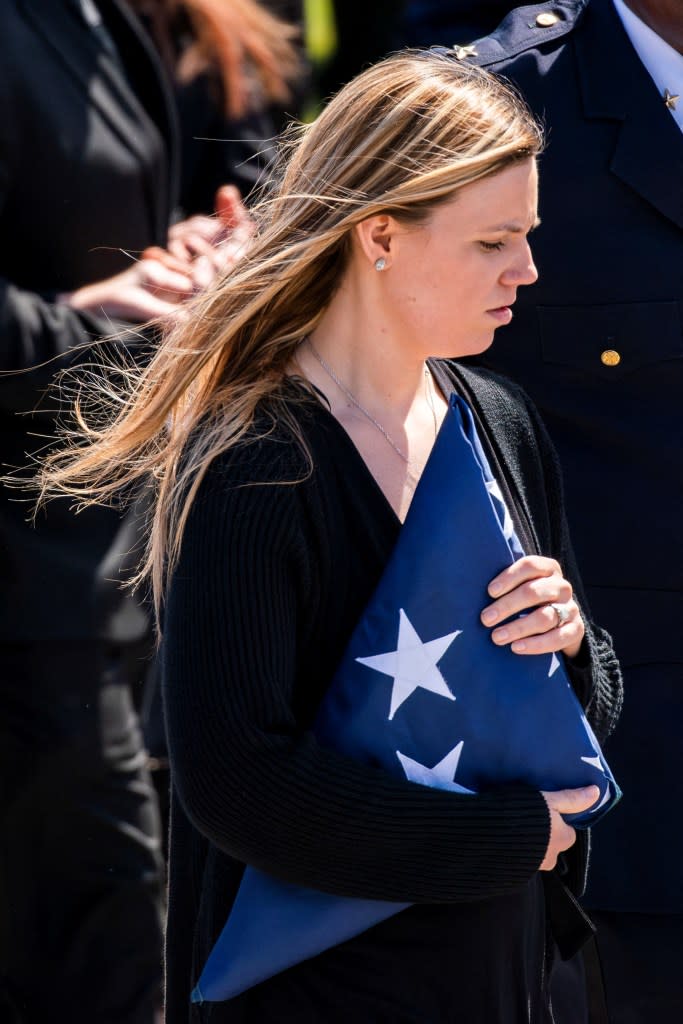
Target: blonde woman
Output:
[(284, 427)]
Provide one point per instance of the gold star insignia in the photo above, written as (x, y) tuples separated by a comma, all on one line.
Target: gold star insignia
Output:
[(462, 52), (670, 100)]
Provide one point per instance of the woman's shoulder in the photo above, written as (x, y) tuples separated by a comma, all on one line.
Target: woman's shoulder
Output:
[(277, 450)]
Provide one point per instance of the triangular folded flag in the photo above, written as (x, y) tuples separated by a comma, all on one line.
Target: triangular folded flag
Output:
[(423, 692)]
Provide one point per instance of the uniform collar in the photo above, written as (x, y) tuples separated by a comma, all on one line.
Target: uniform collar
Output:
[(663, 63), (648, 153)]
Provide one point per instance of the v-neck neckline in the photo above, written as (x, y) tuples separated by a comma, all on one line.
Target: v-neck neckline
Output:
[(445, 382), (450, 381)]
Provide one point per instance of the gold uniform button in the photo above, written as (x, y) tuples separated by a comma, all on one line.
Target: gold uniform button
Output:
[(547, 19), (610, 357)]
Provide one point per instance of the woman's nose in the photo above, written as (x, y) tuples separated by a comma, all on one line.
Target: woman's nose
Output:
[(523, 270)]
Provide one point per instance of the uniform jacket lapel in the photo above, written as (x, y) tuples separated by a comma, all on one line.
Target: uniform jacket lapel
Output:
[(648, 156)]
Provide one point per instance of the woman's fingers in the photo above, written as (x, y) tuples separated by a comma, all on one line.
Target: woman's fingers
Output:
[(528, 593), (567, 638), (528, 568), (571, 801), (541, 625), (522, 614), (562, 835)]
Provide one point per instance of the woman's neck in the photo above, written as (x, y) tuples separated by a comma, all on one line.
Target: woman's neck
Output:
[(363, 350)]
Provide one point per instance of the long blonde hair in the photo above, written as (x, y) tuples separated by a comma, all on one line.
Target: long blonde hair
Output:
[(401, 138)]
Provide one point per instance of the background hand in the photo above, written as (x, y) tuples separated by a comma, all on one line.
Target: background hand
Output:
[(532, 584), (562, 835), (147, 290), (208, 246)]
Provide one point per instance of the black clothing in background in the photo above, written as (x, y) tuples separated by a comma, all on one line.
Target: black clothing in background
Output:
[(87, 177), (271, 581), (290, 10), (214, 149), (609, 251), (447, 22), (80, 865), (598, 344), (366, 32)]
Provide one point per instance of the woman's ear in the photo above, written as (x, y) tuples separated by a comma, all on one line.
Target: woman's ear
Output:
[(375, 237)]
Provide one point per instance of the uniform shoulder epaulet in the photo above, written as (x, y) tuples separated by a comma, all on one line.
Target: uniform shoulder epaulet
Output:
[(524, 28)]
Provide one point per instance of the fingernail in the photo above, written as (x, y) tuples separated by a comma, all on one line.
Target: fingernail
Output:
[(519, 645), (489, 616), (500, 635), (495, 589)]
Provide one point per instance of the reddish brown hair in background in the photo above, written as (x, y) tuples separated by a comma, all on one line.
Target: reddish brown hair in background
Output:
[(251, 50)]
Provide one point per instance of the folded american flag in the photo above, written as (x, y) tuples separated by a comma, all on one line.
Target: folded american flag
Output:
[(424, 693)]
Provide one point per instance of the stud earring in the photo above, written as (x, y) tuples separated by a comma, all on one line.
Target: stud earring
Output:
[(380, 264)]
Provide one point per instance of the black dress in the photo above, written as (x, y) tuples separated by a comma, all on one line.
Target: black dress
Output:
[(271, 581)]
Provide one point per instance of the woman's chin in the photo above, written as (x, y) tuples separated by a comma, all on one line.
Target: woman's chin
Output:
[(470, 347)]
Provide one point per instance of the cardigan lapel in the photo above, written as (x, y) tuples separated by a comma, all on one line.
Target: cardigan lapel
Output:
[(615, 85)]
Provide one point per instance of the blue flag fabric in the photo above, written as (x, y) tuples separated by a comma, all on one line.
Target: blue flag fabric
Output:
[(423, 692)]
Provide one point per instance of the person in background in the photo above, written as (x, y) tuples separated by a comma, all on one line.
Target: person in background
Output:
[(450, 22), (232, 63), (598, 344), (365, 33), (88, 174), (234, 67), (284, 426)]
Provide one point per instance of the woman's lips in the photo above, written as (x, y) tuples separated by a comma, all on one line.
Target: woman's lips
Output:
[(503, 314)]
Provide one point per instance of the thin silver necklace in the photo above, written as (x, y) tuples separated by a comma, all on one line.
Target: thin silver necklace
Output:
[(352, 398)]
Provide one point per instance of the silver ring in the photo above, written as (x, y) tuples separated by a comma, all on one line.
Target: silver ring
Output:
[(562, 612)]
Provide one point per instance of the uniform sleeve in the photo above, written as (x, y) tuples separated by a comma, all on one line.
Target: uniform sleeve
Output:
[(261, 788), (595, 671)]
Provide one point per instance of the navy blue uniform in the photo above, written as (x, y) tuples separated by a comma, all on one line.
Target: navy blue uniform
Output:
[(598, 344)]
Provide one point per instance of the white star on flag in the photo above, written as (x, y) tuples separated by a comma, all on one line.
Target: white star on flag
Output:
[(441, 776), (493, 487), (412, 664), (596, 761), (603, 801)]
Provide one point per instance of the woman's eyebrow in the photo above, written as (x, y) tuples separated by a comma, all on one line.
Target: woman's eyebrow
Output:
[(514, 228)]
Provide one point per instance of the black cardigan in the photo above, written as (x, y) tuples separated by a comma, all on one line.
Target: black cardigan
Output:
[(271, 580)]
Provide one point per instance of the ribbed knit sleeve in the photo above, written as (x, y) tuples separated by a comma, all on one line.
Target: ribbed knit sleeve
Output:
[(250, 777)]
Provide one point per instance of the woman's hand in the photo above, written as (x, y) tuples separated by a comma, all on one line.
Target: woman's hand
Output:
[(562, 835), (533, 585)]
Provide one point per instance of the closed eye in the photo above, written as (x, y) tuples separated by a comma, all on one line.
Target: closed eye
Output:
[(491, 246)]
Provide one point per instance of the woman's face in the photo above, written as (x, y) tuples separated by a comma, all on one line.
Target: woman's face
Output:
[(452, 280)]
